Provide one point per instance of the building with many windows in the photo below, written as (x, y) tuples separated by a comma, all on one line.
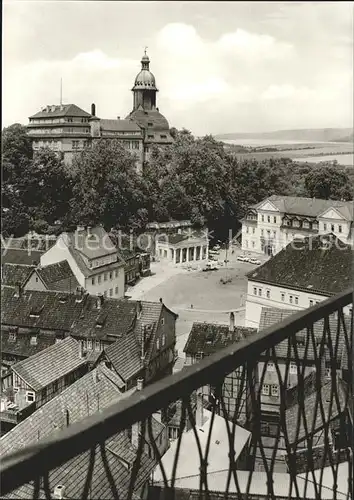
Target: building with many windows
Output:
[(68, 129), (301, 275), (271, 224)]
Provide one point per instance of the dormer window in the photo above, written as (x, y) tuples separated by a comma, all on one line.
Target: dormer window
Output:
[(12, 336), (35, 312), (150, 124), (34, 340)]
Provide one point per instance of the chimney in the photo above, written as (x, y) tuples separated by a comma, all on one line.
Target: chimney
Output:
[(59, 492), (232, 322), (118, 117), (18, 290), (161, 300), (81, 349), (93, 109), (99, 301), (67, 418), (199, 411), (140, 384), (138, 308)]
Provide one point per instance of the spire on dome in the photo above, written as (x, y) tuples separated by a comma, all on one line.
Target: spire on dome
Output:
[(145, 61)]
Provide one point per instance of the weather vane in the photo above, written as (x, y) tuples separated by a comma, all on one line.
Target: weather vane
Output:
[(145, 50)]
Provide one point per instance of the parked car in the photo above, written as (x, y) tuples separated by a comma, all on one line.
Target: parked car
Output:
[(243, 258), (255, 261)]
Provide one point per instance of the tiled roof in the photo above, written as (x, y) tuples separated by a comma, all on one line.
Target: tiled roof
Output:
[(58, 277), (271, 316), (23, 347), (51, 364), (14, 274), (77, 314), (20, 256), (209, 337), (312, 207), (143, 118), (177, 238), (125, 353), (64, 312), (317, 264), (297, 430), (120, 125), (125, 356), (62, 110), (93, 244), (91, 393)]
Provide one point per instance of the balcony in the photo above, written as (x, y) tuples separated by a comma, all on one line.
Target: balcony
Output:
[(308, 453)]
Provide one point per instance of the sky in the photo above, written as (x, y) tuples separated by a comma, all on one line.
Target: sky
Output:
[(220, 67)]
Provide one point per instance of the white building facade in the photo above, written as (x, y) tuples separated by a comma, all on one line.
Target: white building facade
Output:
[(276, 221), (93, 259), (180, 249)]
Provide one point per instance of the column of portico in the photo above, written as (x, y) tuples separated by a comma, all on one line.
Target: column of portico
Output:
[(195, 253)]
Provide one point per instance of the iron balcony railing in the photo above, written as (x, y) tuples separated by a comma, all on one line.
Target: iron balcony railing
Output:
[(282, 441)]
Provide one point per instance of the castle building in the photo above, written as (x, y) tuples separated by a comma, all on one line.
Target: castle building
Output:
[(69, 129)]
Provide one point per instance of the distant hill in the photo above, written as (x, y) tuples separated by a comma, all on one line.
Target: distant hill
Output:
[(305, 135)]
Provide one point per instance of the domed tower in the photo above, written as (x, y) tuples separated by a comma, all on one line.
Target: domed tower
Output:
[(145, 87)]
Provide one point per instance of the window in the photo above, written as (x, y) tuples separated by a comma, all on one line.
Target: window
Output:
[(150, 124), (268, 218), (253, 230), (247, 229), (283, 297), (265, 389), (163, 136), (99, 279), (274, 234), (116, 273), (293, 368), (111, 292), (275, 220), (162, 321), (105, 277), (290, 299), (33, 340), (254, 290), (262, 232), (12, 336), (260, 292), (306, 224), (311, 303), (275, 390), (89, 344), (262, 218), (268, 294), (111, 275), (93, 281), (157, 344), (339, 229), (270, 366), (116, 290), (328, 373), (253, 244), (332, 228), (30, 396), (325, 226), (296, 223), (163, 338)]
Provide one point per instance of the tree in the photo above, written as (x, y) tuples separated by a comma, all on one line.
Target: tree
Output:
[(328, 182), (107, 187)]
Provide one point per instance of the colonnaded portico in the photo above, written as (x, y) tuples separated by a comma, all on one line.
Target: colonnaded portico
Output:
[(182, 249)]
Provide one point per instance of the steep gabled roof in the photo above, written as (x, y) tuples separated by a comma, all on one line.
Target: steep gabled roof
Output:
[(51, 364), (120, 126), (14, 274), (58, 277), (70, 110), (208, 338), (320, 264)]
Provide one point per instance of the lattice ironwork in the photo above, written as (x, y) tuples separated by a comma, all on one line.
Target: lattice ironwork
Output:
[(270, 417)]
